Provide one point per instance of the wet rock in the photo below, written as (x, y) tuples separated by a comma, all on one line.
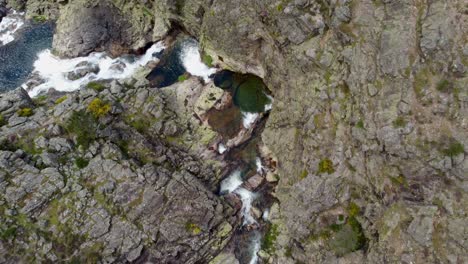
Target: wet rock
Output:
[(253, 182), (82, 69)]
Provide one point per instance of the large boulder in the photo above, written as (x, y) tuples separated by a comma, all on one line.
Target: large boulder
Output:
[(116, 26)]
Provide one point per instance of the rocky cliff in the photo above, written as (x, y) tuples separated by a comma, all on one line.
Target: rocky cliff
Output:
[(369, 124)]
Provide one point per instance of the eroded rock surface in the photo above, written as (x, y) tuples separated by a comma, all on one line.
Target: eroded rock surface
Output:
[(80, 187)]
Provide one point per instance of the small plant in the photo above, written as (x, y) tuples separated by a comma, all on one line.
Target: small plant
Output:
[(399, 122), (353, 209), (25, 112), (360, 124), (61, 100), (83, 125), (443, 86), (454, 149), (2, 121), (399, 181), (304, 174), (326, 166), (193, 228), (40, 100), (208, 60), (96, 86), (98, 108), (280, 7), (81, 162), (182, 78), (141, 125), (39, 18)]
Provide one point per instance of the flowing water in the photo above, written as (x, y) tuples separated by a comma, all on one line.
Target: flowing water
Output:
[(55, 71), (9, 25), (183, 57), (21, 41)]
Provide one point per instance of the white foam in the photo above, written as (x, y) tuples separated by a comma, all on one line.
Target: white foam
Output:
[(192, 62), (269, 106), (221, 148), (54, 70), (231, 183), (9, 25), (247, 197), (258, 163), (266, 215), (248, 119)]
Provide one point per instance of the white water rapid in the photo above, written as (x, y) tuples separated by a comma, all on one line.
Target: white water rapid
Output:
[(9, 25), (54, 70)]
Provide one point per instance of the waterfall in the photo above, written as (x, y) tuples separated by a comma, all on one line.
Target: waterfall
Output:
[(192, 62)]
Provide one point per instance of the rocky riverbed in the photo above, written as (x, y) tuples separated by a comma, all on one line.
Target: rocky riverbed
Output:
[(260, 131)]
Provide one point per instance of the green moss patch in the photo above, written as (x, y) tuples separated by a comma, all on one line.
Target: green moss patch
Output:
[(60, 100), (97, 86), (25, 112), (81, 162), (268, 243), (193, 228), (2, 121), (326, 166), (98, 108), (208, 60), (399, 122)]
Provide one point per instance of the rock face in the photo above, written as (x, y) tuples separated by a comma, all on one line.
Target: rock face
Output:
[(85, 26), (84, 178), (369, 127)]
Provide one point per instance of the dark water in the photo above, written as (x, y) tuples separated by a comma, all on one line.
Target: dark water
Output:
[(17, 57), (170, 68), (249, 91)]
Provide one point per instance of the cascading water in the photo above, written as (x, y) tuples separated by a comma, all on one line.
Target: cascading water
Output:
[(55, 71), (9, 26), (183, 57)]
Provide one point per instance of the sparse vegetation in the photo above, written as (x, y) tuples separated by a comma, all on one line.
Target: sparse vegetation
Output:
[(83, 125), (326, 166), (208, 60), (453, 149), (182, 78), (98, 108), (399, 122), (25, 112), (399, 181), (97, 86), (61, 100), (268, 243), (39, 18), (140, 124), (2, 121), (304, 174), (360, 124), (81, 162), (444, 86), (193, 228)]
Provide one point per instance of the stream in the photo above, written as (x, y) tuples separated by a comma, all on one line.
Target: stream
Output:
[(26, 60)]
